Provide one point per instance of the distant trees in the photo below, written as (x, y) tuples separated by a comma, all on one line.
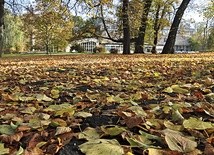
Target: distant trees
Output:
[(1, 25), (197, 40), (210, 41), (208, 29), (203, 38), (53, 24), (29, 27), (13, 35), (12, 5)]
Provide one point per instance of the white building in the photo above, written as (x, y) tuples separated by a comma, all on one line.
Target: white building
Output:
[(88, 44), (181, 43)]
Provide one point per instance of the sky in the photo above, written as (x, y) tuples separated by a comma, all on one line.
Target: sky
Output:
[(193, 11)]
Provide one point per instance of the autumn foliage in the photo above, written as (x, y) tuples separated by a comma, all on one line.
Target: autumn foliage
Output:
[(107, 104)]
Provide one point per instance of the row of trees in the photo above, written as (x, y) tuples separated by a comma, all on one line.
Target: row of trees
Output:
[(148, 11), (50, 25), (140, 21)]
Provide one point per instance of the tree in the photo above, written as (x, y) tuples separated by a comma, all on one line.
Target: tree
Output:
[(14, 5), (1, 25), (161, 8), (208, 29), (88, 28), (170, 42), (29, 27), (126, 27), (210, 41), (197, 41), (13, 35), (139, 41), (53, 24)]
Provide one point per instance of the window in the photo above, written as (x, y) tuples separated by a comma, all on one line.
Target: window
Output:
[(88, 46)]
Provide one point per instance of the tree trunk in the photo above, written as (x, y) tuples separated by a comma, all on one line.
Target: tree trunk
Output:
[(1, 26), (157, 25), (154, 49), (47, 48), (139, 42), (170, 42), (156, 30), (126, 27)]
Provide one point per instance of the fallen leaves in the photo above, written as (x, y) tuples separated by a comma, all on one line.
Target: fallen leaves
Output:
[(107, 104), (3, 149), (177, 142), (194, 123), (102, 147)]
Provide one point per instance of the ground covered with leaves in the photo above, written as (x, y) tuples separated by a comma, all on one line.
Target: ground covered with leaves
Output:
[(107, 105)]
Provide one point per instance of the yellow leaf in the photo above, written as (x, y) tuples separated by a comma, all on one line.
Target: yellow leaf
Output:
[(55, 93), (129, 153), (3, 149)]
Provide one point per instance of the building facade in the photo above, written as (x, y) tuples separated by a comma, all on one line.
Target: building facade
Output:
[(182, 44)]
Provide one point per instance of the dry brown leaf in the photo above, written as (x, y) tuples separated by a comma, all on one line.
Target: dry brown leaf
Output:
[(23, 128), (209, 149), (11, 138), (65, 138), (133, 121), (35, 139), (52, 149), (33, 151)]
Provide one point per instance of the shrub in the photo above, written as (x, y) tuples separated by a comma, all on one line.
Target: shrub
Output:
[(99, 49), (113, 51), (77, 48)]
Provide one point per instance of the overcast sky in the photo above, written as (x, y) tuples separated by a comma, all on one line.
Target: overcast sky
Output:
[(193, 11)]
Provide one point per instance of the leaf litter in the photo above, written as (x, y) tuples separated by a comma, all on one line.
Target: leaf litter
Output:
[(107, 104)]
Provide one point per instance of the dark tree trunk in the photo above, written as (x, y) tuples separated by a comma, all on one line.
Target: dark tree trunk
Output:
[(47, 48), (139, 42), (1, 26), (156, 30), (157, 26), (170, 42), (126, 27), (31, 41)]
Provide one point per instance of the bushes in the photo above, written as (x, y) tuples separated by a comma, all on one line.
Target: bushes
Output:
[(77, 48), (99, 49), (113, 51)]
